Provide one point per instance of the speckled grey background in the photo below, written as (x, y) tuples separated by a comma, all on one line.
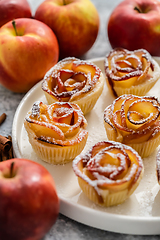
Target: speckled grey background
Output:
[(65, 228)]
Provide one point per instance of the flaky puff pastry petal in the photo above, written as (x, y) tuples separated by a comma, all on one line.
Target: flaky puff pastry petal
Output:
[(109, 172), (57, 132), (135, 121), (76, 81), (130, 72)]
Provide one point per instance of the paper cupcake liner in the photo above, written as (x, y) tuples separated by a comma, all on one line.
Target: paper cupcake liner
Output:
[(139, 90), (89, 191), (56, 154), (135, 185), (145, 149), (109, 199), (86, 102), (116, 198), (50, 99)]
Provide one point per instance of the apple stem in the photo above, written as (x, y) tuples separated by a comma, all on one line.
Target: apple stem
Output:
[(64, 2), (14, 26), (11, 169), (137, 9)]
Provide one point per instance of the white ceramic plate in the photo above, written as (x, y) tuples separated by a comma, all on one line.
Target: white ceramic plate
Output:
[(140, 214)]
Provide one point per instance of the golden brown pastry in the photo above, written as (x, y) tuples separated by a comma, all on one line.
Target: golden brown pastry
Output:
[(109, 172), (57, 132), (76, 81), (135, 121), (131, 72)]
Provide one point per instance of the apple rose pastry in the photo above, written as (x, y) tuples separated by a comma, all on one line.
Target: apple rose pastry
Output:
[(135, 121), (131, 72), (74, 80), (109, 172), (57, 132)]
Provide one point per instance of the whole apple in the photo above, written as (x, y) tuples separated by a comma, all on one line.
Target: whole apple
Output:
[(74, 22), (27, 52), (135, 24), (29, 204), (11, 9)]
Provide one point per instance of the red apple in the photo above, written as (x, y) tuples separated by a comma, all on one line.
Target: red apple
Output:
[(26, 53), (29, 204), (75, 23), (135, 24), (11, 9)]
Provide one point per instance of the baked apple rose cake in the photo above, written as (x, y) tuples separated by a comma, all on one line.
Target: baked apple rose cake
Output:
[(131, 72), (109, 172), (135, 121), (74, 80), (57, 132)]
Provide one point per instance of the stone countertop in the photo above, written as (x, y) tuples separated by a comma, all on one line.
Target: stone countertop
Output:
[(64, 227)]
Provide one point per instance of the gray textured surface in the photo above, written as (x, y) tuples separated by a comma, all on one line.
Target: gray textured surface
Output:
[(66, 228)]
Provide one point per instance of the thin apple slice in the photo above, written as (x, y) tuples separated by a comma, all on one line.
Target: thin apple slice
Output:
[(110, 163), (84, 67), (147, 73), (119, 112), (77, 81), (127, 64), (124, 109), (50, 131), (141, 136), (143, 113), (117, 103), (63, 75), (122, 128), (123, 65), (134, 61), (61, 113)]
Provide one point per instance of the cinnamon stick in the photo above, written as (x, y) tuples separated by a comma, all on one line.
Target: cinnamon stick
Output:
[(10, 152), (3, 157), (2, 118), (5, 144)]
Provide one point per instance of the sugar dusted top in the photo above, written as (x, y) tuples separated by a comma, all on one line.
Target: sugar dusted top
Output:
[(70, 79), (136, 119), (109, 166), (59, 123), (126, 69)]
